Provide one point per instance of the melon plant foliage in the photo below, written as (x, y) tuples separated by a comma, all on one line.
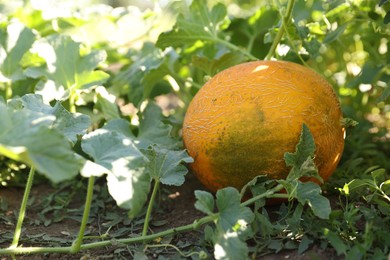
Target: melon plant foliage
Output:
[(101, 92)]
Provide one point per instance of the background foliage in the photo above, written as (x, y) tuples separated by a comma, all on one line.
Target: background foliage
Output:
[(102, 90)]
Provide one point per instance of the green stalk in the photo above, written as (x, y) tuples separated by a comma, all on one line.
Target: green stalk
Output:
[(143, 238), (285, 21), (23, 207), (269, 193), (40, 250), (236, 48), (8, 90), (79, 240), (72, 102), (150, 207)]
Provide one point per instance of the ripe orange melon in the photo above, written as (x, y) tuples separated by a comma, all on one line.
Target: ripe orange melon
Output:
[(243, 120)]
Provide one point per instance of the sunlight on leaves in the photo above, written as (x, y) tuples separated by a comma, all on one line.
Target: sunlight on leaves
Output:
[(229, 246), (71, 125), (199, 24), (131, 161), (228, 204), (105, 102), (16, 42), (66, 70), (124, 165), (232, 222), (29, 136)]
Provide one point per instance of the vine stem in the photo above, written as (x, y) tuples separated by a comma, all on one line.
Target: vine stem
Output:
[(143, 238), (39, 250), (236, 48), (285, 20), (23, 206), (266, 194), (150, 207), (174, 247), (79, 240)]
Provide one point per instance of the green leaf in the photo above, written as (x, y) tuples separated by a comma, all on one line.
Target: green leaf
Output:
[(199, 24), (304, 244), (357, 184), (233, 216), (368, 74), (69, 124), (117, 156), (167, 165), (231, 223), (153, 130), (211, 67), (335, 241), (385, 94), (17, 41), (301, 160), (66, 69), (310, 193), (229, 246), (382, 2), (106, 104), (386, 20), (29, 137), (334, 35), (304, 149), (121, 126), (204, 202), (260, 179), (138, 79), (116, 151)]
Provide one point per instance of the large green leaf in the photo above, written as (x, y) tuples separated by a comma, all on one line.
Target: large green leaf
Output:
[(302, 164), (229, 246), (310, 193), (138, 79), (66, 68), (224, 61), (199, 24), (153, 130), (305, 148), (105, 102), (232, 220), (204, 202), (233, 216), (28, 136), (69, 124), (119, 153), (167, 165), (16, 41), (117, 156)]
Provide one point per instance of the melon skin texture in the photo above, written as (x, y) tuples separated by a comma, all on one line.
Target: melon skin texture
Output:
[(243, 120)]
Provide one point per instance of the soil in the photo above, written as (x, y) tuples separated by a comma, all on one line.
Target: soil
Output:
[(175, 208)]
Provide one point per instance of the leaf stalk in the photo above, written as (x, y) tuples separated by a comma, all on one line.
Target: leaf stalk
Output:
[(285, 21), (79, 240), (150, 207), (140, 239), (23, 206)]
